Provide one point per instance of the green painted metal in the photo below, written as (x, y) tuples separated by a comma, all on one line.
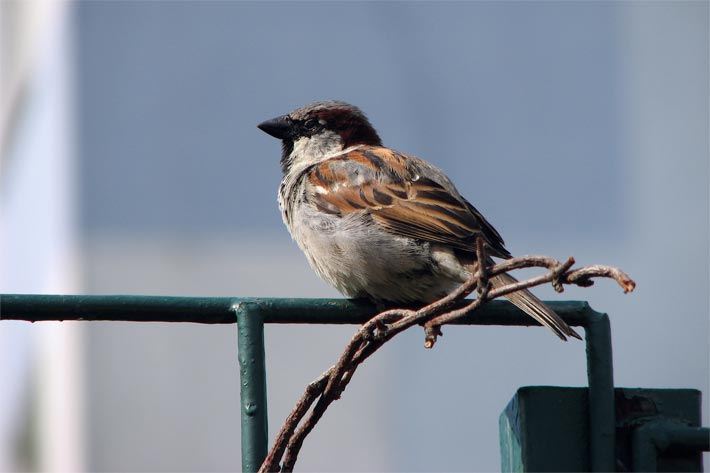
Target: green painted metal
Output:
[(546, 428), (252, 377), (511, 447), (662, 429), (600, 373), (659, 436), (40, 307), (220, 310)]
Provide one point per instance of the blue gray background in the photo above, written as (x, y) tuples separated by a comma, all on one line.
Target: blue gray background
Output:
[(578, 128)]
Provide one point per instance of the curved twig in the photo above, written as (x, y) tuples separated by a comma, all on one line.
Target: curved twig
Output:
[(329, 386)]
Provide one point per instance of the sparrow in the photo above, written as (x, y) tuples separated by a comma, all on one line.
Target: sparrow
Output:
[(376, 223)]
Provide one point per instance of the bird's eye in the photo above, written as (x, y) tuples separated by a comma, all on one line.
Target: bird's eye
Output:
[(311, 123)]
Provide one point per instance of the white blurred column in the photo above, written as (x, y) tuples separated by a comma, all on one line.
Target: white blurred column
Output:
[(38, 238)]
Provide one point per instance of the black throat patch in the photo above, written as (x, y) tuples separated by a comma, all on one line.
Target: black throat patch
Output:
[(286, 160)]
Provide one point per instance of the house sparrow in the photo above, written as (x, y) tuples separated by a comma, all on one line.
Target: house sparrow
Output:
[(376, 223)]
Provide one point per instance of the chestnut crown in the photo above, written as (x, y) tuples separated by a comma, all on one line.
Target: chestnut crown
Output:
[(343, 119)]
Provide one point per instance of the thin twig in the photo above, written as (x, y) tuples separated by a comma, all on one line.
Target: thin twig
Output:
[(313, 390), (559, 271), (583, 276), (384, 326)]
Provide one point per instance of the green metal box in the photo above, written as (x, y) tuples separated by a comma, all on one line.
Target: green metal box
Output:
[(546, 428)]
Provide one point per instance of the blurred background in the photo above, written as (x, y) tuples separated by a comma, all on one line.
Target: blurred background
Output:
[(131, 164)]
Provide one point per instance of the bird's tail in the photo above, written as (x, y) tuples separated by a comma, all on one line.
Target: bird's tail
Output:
[(534, 307)]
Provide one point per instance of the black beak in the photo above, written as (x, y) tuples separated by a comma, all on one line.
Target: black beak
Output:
[(278, 127)]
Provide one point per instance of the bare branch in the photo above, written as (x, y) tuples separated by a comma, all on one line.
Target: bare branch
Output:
[(583, 276), (329, 386), (313, 390)]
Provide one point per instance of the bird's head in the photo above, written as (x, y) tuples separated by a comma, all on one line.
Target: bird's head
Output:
[(309, 133)]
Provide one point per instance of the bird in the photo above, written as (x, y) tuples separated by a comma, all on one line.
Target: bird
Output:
[(379, 224)]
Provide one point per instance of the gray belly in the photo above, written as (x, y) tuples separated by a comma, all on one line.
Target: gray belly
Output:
[(362, 260)]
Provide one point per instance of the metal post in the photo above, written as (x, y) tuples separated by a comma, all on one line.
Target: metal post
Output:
[(601, 393), (252, 377), (656, 436)]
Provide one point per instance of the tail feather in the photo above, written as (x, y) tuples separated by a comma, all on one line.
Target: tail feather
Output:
[(534, 307)]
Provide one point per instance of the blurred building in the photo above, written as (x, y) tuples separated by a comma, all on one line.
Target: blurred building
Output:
[(131, 165), (41, 388)]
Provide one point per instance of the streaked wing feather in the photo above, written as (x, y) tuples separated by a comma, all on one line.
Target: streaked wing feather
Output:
[(492, 235), (388, 186)]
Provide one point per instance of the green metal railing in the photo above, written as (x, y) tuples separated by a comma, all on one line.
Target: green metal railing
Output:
[(251, 314), (657, 436)]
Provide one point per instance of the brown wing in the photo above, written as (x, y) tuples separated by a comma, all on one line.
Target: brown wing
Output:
[(390, 188)]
